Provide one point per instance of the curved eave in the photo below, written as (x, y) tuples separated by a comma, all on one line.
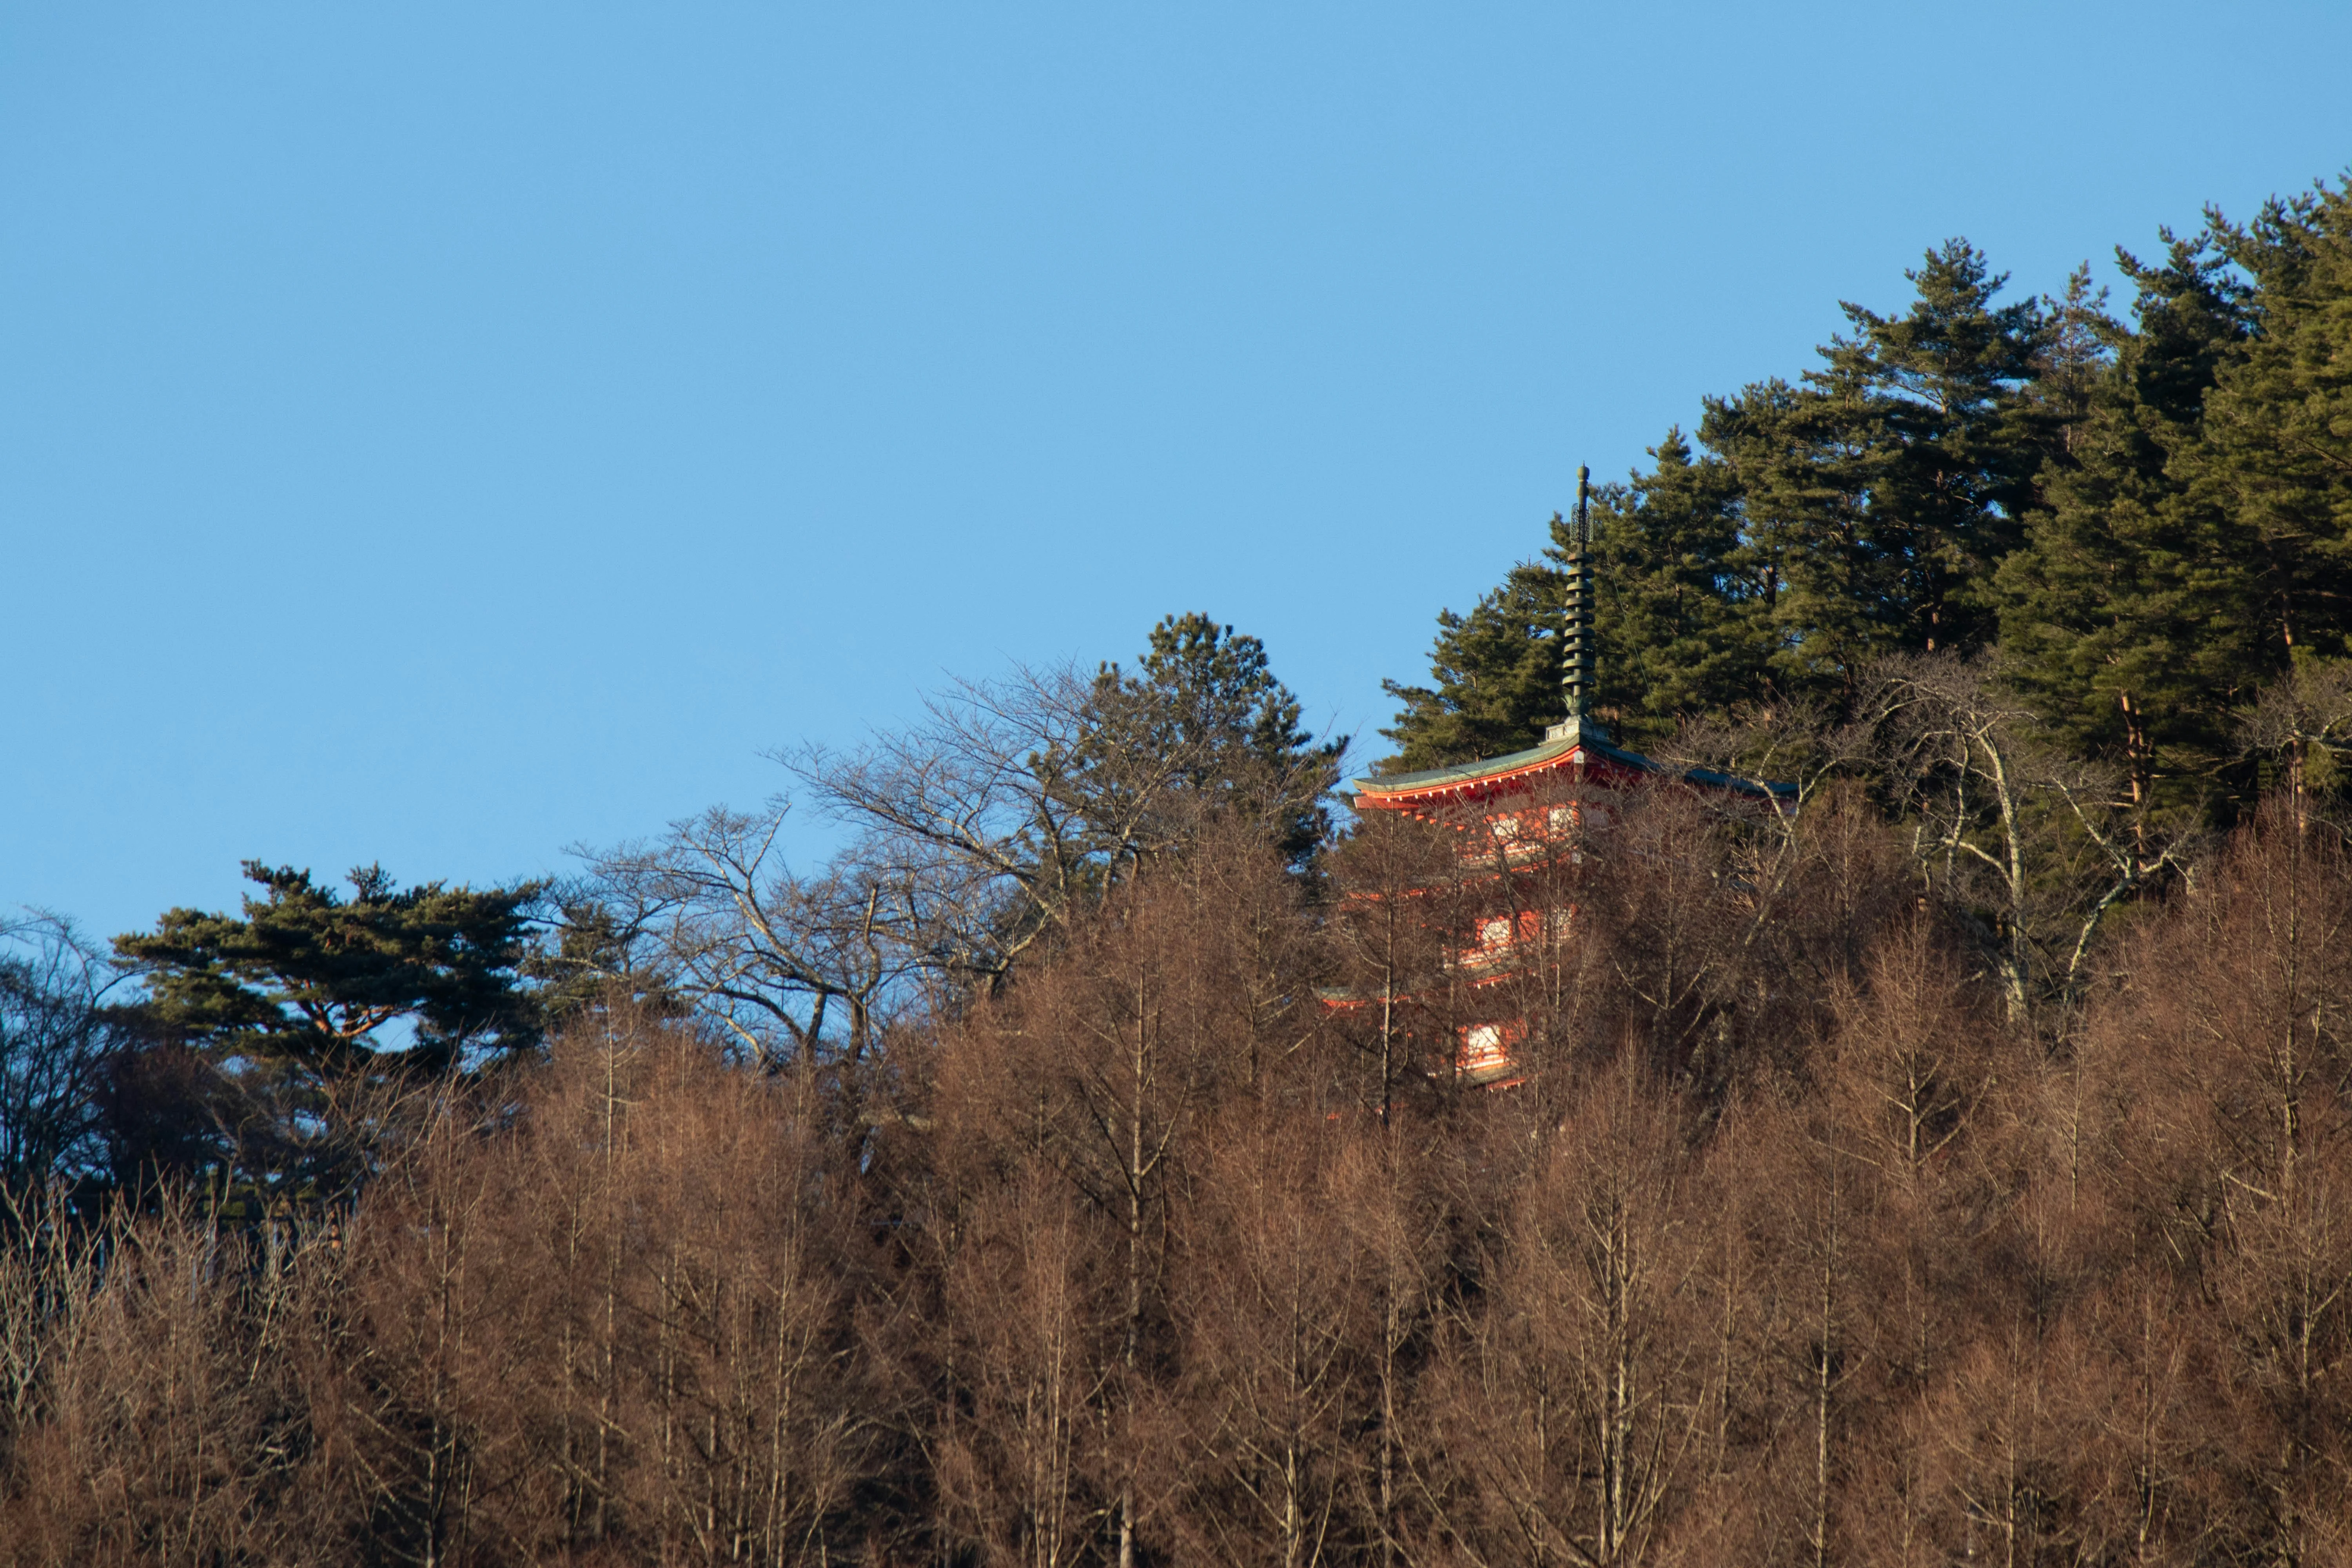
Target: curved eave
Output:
[(1516, 770), (1470, 781)]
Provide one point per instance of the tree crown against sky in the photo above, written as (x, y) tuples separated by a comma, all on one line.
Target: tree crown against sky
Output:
[(2145, 518), (1812, 526), (1206, 696), (974, 839), (307, 975)]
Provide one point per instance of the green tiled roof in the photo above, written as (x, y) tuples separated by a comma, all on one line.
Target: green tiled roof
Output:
[(1466, 772), (1567, 738)]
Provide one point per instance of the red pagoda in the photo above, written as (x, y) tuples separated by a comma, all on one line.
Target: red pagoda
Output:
[(1521, 815)]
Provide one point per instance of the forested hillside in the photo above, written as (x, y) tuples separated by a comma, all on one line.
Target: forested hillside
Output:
[(2140, 522), (1073, 1167)]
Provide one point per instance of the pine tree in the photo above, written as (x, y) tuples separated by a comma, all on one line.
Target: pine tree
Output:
[(1495, 674), (2273, 466), (2109, 619), (307, 975), (1881, 492), (307, 1000), (2201, 547), (2067, 374), (1223, 736), (1832, 586), (1682, 609)]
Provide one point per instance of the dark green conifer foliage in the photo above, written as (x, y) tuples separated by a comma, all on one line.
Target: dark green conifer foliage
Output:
[(2271, 470), (1682, 616), (308, 977), (2107, 616), (1497, 674), (2199, 547), (1206, 701), (1881, 493), (1832, 586), (1816, 526), (2067, 374)]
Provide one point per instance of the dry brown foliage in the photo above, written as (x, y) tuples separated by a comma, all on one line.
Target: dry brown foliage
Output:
[(1791, 1245)]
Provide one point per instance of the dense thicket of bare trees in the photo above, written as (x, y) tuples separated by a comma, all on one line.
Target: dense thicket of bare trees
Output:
[(1796, 1243)]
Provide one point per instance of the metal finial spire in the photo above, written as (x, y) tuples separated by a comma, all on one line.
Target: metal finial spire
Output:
[(1580, 649)]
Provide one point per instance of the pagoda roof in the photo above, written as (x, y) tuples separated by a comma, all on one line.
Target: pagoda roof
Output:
[(1552, 755), (1565, 745)]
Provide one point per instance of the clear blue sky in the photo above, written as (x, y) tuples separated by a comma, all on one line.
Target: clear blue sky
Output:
[(442, 434)]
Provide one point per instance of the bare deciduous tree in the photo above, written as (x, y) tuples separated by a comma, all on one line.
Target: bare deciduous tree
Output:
[(1576, 1409), (1028, 1339), (784, 962), (55, 1040), (1146, 1271), (1273, 1312), (974, 834), (2043, 844)]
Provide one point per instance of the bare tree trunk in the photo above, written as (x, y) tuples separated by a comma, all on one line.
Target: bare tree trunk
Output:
[(1389, 1318), (1825, 1365), (1130, 1344)]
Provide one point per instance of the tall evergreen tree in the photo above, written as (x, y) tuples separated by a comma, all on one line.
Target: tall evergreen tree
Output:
[(1681, 612), (1833, 585), (2107, 616), (2201, 549), (2076, 354), (1205, 706), (2272, 469), (1495, 674), (1680, 616), (1881, 492)]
